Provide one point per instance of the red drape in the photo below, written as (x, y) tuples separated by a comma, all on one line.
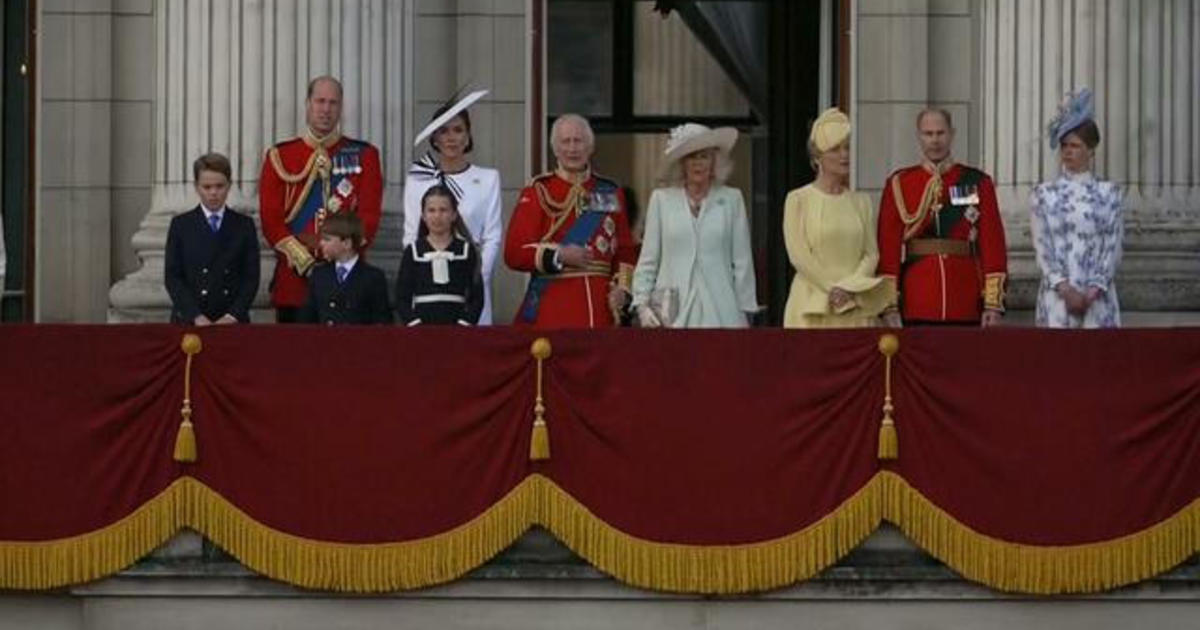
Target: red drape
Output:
[(700, 438)]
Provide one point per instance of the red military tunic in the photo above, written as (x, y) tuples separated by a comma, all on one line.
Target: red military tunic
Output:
[(303, 180), (941, 237), (545, 217)]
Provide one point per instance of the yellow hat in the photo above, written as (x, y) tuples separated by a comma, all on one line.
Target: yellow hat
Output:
[(830, 129)]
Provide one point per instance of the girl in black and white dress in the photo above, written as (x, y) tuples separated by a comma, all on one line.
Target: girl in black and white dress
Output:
[(440, 280)]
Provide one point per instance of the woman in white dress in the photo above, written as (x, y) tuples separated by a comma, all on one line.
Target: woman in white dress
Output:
[(1077, 227), (477, 188), (696, 247)]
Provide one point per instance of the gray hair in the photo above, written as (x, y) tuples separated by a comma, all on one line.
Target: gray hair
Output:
[(721, 169), (577, 119)]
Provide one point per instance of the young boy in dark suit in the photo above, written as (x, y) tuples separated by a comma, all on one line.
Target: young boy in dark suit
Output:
[(212, 263), (345, 289)]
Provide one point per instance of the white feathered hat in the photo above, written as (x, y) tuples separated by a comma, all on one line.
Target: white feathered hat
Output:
[(689, 138)]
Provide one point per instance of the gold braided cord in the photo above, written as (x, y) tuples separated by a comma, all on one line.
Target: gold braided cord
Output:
[(283, 174), (929, 200), (555, 209)]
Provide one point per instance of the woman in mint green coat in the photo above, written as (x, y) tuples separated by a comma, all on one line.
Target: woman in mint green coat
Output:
[(696, 269)]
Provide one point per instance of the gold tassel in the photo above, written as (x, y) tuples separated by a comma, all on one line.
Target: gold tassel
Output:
[(889, 441), (889, 447), (185, 440), (539, 441)]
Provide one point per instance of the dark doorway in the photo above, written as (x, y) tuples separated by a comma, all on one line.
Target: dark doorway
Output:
[(16, 157)]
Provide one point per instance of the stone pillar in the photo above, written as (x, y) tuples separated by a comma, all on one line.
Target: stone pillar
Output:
[(231, 78), (1140, 59), (75, 173)]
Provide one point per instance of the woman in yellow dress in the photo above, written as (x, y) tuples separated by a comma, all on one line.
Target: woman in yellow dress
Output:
[(830, 235)]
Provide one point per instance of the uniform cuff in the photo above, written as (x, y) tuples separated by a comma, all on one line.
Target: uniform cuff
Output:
[(297, 254), (994, 291)]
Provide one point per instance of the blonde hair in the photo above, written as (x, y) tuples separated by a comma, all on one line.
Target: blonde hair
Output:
[(814, 154), (722, 167)]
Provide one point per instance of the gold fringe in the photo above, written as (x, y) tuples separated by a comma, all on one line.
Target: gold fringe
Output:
[(1044, 570), (278, 555), (718, 569), (363, 568), (53, 563)]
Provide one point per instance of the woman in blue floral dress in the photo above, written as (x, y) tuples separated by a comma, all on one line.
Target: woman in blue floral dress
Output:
[(1077, 227)]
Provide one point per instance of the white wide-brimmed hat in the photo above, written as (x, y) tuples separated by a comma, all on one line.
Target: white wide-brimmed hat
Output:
[(449, 115), (689, 138)]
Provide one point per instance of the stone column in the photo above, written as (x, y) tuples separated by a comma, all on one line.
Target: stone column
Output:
[(231, 78), (1140, 59)]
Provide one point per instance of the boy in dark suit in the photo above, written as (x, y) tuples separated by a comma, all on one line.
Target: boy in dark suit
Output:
[(345, 289), (212, 263)]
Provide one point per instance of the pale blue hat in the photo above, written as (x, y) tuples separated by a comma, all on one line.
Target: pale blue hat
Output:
[(1075, 110)]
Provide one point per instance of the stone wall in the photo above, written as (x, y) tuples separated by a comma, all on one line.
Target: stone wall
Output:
[(96, 86)]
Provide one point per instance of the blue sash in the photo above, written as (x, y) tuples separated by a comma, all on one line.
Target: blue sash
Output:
[(581, 233), (346, 161)]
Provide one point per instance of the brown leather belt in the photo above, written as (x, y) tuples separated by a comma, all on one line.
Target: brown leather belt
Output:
[(918, 247)]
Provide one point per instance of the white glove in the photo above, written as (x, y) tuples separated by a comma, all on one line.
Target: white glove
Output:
[(647, 318)]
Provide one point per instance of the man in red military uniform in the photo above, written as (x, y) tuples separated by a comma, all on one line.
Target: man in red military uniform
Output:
[(308, 178), (571, 232), (941, 238)]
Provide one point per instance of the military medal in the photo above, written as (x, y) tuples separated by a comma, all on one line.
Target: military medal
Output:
[(964, 196), (972, 216)]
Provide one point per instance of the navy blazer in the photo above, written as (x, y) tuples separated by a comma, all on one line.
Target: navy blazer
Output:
[(211, 274), (361, 299)]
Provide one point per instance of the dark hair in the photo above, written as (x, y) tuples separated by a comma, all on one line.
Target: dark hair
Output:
[(325, 77), (935, 110), (466, 118), (344, 225), (1087, 131), (214, 162), (459, 227)]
